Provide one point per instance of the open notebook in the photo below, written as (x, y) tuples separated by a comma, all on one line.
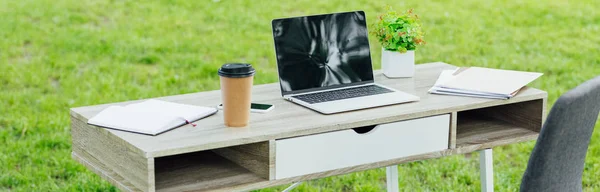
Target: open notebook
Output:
[(150, 117)]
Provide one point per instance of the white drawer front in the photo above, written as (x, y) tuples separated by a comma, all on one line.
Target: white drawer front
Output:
[(339, 149)]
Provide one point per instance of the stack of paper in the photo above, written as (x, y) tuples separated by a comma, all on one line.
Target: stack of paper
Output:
[(150, 117), (482, 82)]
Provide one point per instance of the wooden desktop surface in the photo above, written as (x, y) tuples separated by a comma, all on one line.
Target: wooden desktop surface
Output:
[(291, 120)]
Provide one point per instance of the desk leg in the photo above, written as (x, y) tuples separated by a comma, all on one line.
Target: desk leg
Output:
[(392, 178), (288, 189), (486, 169)]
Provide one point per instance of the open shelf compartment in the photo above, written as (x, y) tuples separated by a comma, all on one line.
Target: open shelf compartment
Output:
[(499, 125), (213, 169)]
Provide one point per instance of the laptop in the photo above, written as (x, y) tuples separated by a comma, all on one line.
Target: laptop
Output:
[(324, 64)]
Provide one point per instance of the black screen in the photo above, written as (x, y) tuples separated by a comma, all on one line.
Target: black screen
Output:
[(260, 106), (322, 50)]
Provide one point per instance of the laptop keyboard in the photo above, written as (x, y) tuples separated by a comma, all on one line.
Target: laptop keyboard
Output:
[(342, 94)]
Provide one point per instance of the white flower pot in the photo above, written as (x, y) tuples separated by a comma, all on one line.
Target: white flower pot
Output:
[(396, 65)]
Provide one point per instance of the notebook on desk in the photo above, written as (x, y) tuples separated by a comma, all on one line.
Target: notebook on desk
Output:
[(150, 117), (482, 82)]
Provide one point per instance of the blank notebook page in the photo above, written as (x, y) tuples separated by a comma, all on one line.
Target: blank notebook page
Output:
[(149, 117), (491, 80), (186, 112)]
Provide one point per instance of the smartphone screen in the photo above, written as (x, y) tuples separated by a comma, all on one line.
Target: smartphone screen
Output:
[(260, 106)]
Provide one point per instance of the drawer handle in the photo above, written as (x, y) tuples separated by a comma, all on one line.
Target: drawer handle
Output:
[(365, 129)]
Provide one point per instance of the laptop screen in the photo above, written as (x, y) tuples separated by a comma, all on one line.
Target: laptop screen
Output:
[(322, 51)]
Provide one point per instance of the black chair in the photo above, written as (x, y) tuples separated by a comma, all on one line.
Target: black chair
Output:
[(557, 160)]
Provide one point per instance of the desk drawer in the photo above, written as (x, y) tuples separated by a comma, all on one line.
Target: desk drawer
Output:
[(328, 151)]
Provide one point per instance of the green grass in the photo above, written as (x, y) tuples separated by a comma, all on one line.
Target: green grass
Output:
[(55, 55)]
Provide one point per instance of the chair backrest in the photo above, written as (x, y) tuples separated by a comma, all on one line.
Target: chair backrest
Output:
[(557, 160)]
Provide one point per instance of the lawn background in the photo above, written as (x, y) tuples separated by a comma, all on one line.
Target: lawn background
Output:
[(59, 54)]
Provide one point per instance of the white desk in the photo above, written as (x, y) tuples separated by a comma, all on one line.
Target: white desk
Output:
[(212, 157)]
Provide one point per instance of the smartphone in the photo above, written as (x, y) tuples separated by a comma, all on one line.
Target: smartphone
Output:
[(255, 107)]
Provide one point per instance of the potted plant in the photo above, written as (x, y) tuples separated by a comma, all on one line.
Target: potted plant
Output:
[(399, 35)]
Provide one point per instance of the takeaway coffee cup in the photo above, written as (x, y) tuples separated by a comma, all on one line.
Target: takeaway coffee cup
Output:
[(236, 92)]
